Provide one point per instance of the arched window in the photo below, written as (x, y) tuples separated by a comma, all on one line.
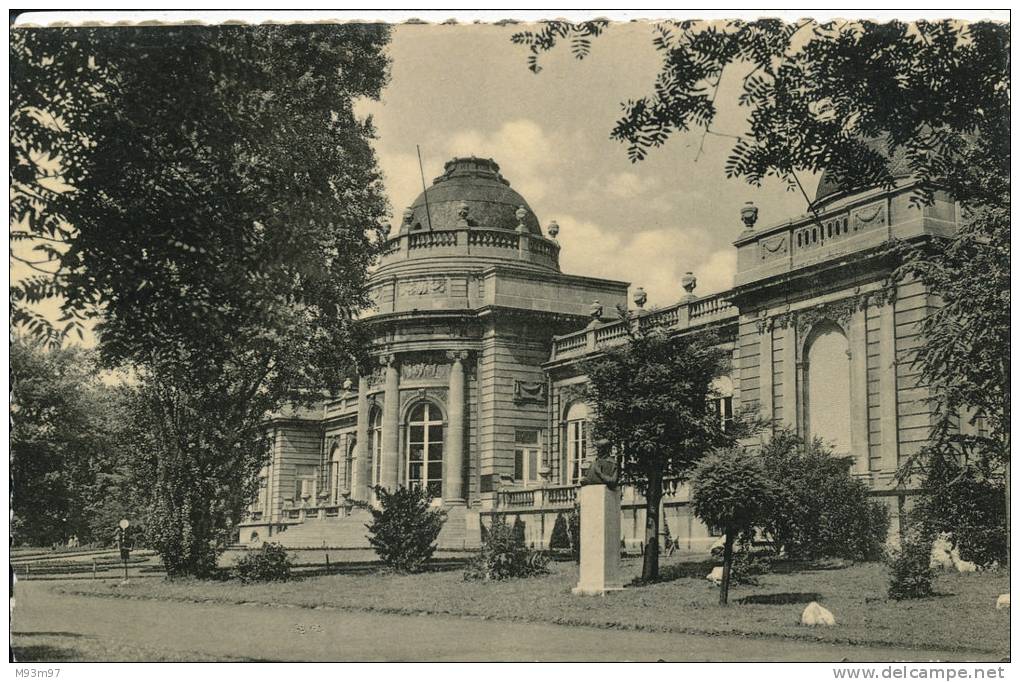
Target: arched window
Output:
[(333, 481), (349, 464), (375, 445), (425, 449), (576, 440), (827, 408)]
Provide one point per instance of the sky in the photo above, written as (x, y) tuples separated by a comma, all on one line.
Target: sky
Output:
[(465, 89), (458, 90)]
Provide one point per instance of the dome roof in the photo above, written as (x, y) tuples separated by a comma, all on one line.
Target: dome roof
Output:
[(476, 184), (899, 167)]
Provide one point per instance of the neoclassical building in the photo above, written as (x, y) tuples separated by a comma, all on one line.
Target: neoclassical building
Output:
[(479, 342)]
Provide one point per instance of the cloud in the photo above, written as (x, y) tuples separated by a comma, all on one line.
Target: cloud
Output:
[(655, 259), (525, 153)]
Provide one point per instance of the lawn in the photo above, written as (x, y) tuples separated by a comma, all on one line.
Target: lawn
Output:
[(962, 618), (57, 647)]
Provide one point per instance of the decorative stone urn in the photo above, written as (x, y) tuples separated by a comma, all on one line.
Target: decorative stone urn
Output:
[(640, 297), (689, 282), (522, 214), (749, 214), (553, 229), (462, 214)]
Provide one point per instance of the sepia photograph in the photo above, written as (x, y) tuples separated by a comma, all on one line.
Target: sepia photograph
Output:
[(461, 336)]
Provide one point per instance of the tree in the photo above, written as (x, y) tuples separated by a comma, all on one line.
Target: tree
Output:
[(650, 399), (731, 490), (818, 94), (861, 100), (820, 509), (66, 444), (223, 226)]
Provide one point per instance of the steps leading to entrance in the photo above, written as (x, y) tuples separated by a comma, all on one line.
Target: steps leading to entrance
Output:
[(349, 532)]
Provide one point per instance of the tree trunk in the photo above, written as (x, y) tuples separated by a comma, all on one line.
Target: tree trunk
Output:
[(650, 567), (724, 589)]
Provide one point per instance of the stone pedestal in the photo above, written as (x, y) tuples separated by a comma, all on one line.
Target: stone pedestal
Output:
[(600, 541)]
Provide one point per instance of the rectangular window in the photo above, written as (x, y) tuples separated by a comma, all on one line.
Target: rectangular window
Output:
[(577, 450), (304, 483), (722, 408), (527, 456)]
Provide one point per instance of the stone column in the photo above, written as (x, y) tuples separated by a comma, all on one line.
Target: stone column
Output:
[(791, 396), (887, 380), (858, 343), (362, 473), (389, 473), (453, 466), (766, 372)]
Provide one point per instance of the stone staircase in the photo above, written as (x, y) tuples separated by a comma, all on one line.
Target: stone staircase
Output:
[(349, 532)]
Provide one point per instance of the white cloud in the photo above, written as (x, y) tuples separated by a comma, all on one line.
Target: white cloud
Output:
[(525, 153), (655, 259)]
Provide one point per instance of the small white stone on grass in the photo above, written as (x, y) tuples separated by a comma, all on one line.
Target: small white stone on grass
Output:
[(815, 614), (941, 552), (715, 576), (1002, 602)]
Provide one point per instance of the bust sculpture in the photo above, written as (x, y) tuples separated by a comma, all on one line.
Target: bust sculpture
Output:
[(603, 471)]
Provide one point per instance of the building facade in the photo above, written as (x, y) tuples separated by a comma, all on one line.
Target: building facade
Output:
[(479, 343)]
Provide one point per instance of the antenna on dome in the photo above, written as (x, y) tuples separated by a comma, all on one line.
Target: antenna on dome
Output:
[(425, 189)]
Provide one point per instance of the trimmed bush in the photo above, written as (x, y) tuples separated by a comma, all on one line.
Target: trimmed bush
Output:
[(504, 555), (820, 510), (560, 538), (269, 563), (912, 576), (404, 531)]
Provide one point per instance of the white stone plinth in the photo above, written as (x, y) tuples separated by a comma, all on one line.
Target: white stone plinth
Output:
[(600, 541)]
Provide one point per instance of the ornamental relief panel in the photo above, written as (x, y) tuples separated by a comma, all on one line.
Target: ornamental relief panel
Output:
[(424, 370), (773, 247), (866, 217), (435, 286)]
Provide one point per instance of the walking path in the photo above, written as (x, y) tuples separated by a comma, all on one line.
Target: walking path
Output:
[(204, 631)]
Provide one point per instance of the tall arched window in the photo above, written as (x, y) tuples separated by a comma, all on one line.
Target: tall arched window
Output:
[(827, 408), (333, 480), (425, 449), (576, 440), (375, 445)]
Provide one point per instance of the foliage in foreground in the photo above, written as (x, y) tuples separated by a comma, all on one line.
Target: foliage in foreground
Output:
[(404, 531), (731, 490), (911, 574), (504, 555), (269, 563), (820, 510), (651, 403), (967, 503)]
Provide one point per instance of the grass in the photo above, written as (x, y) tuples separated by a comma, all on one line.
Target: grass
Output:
[(59, 647), (962, 618)]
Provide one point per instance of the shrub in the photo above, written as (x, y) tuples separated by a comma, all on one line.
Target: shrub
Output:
[(749, 563), (560, 538), (269, 563), (912, 576), (820, 509), (404, 531), (505, 556), (574, 532), (969, 506)]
